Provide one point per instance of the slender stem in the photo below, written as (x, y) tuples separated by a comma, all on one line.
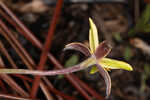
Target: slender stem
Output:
[(42, 73)]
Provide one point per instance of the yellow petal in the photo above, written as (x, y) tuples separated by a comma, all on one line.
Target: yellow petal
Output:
[(115, 64), (93, 36), (94, 69)]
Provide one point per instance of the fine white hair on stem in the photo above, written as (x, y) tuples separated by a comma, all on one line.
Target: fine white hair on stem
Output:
[(68, 70), (42, 73)]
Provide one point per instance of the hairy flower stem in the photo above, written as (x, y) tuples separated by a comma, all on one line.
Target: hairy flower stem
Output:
[(88, 62), (43, 73)]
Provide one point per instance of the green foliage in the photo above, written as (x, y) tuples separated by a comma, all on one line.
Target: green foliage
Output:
[(117, 37), (145, 18), (143, 24), (127, 53), (144, 77), (73, 60)]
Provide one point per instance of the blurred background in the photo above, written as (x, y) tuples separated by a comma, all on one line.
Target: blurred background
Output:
[(26, 24)]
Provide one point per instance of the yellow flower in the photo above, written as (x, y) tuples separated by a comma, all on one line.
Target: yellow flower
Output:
[(97, 56)]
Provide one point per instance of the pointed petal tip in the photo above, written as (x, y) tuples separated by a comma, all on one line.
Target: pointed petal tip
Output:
[(90, 19), (130, 68), (93, 36), (115, 64), (91, 22)]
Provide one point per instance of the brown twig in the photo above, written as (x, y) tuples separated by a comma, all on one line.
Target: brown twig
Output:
[(89, 89), (41, 85), (46, 46), (7, 35), (2, 86), (22, 49), (4, 51), (29, 36), (16, 42), (51, 88), (2, 48), (12, 83), (23, 77), (46, 91), (18, 51), (12, 97)]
